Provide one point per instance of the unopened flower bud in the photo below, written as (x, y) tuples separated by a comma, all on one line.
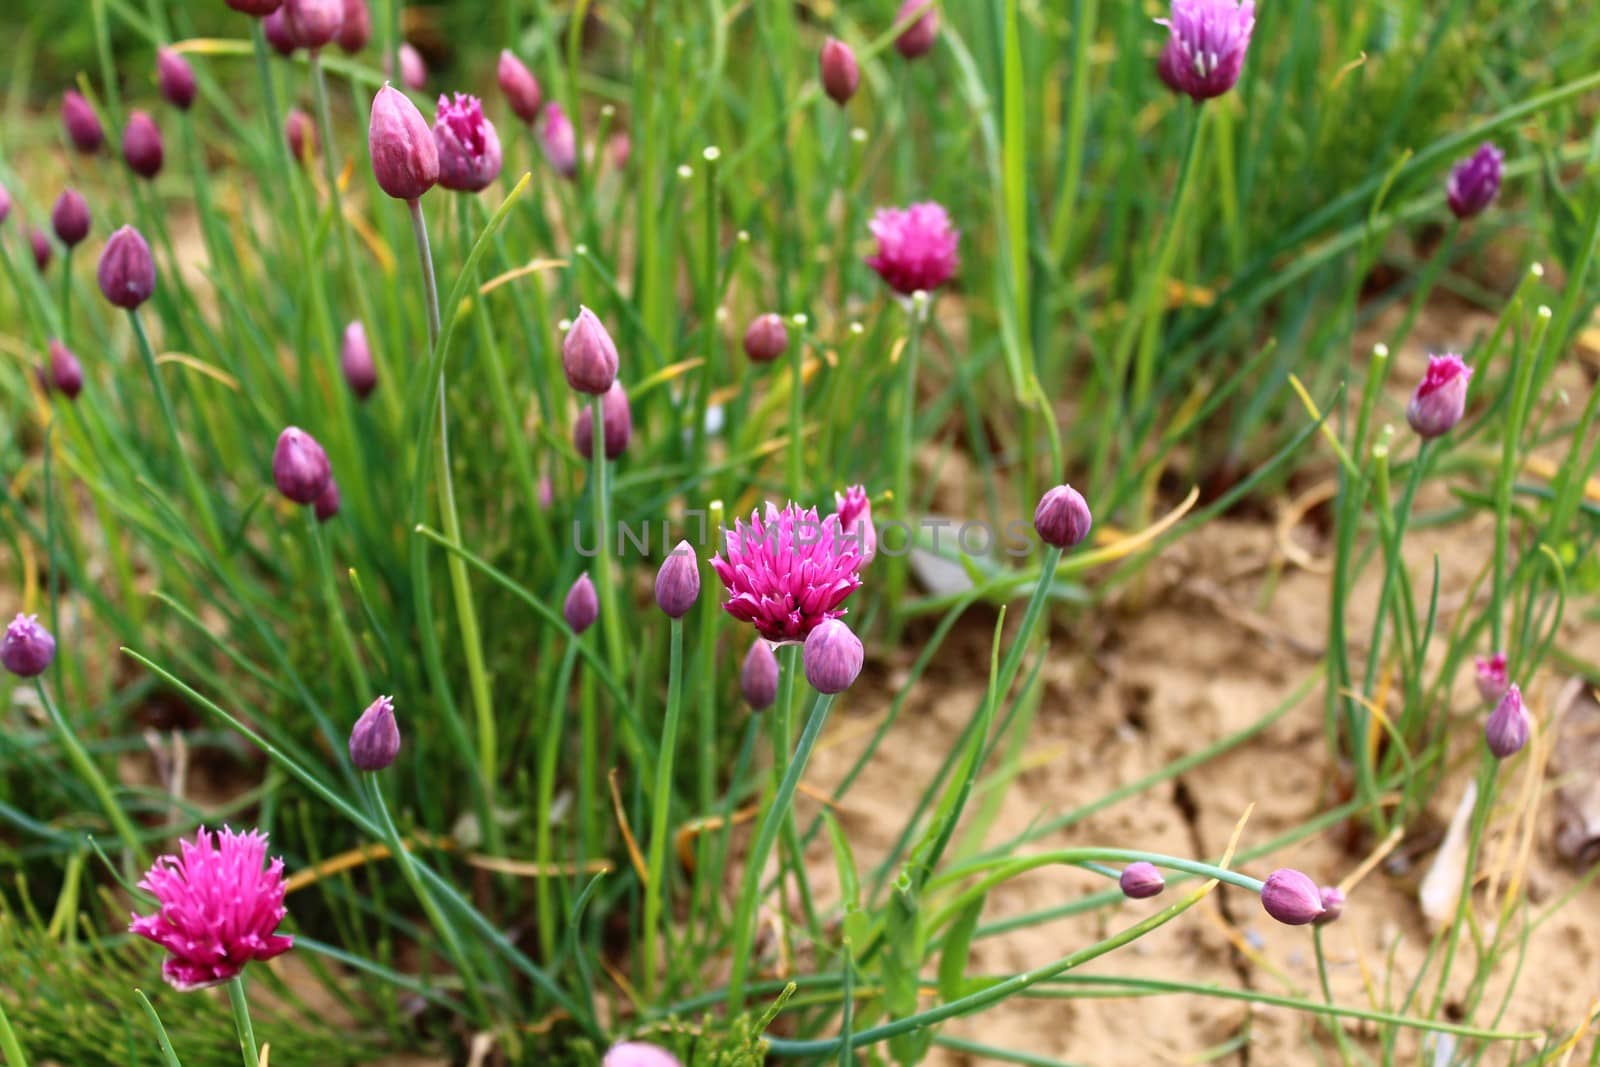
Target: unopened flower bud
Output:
[(559, 141), (313, 23), (582, 606), (678, 581), (127, 271), (1508, 726), (766, 339), (141, 145), (40, 245), (83, 125), (327, 502), (1492, 677), (278, 34), (176, 78), (1475, 182), (300, 467), (5, 204), (356, 29), (758, 677), (66, 373), (841, 75), (917, 39), (1332, 905), (301, 134), (638, 1054), (70, 217), (855, 521), (413, 68), (1141, 880), (1062, 517), (588, 355), (27, 648), (1291, 897), (832, 657), (405, 157), (375, 738), (355, 361), (1441, 396), (258, 8), (520, 87), (617, 415)]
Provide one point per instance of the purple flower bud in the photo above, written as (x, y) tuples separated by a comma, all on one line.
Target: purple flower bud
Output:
[(70, 217), (1291, 897), (279, 36), (42, 252), (5, 204), (1475, 182), (300, 467), (27, 648), (375, 738), (638, 1054), (1508, 726), (327, 502), (559, 141), (758, 678), (581, 607), (313, 23), (678, 581), (176, 78), (1206, 45), (405, 157), (766, 338), (355, 360), (855, 521), (832, 657), (257, 8), (840, 72), (66, 373), (917, 39), (1062, 517), (83, 125), (301, 134), (588, 355), (1441, 396), (127, 272), (469, 147), (1332, 905), (1492, 679), (618, 428), (413, 68), (141, 145), (1141, 880), (520, 87), (356, 29)]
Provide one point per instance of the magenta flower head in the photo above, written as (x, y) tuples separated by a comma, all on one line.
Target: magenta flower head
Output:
[(219, 908), (758, 677), (520, 87), (127, 272), (313, 23), (27, 648), (1291, 897), (327, 503), (356, 29), (855, 521), (176, 78), (257, 8), (83, 125), (582, 606), (617, 415), (788, 571), (916, 247), (66, 373), (832, 657), (766, 338), (841, 75), (42, 252), (355, 361), (1491, 676), (638, 1054), (70, 217), (469, 147), (1062, 517), (141, 145), (300, 468), (678, 581), (1475, 181), (559, 141), (588, 355), (278, 34), (405, 156), (1206, 45), (1141, 880), (917, 39), (1508, 726), (375, 738), (301, 135), (1332, 905), (1441, 396)]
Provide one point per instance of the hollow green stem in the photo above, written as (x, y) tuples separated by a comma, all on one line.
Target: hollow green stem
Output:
[(91, 775), (656, 864), (191, 478), (241, 1021), (905, 445), (341, 625)]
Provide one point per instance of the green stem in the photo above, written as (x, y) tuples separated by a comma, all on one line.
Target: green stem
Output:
[(904, 447), (66, 296), (341, 625), (241, 1021), (610, 621), (9, 1043), (90, 773), (197, 492), (708, 309), (656, 865)]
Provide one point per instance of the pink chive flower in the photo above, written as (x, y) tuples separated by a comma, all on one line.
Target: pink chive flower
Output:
[(788, 571), (916, 247), (559, 141), (1475, 182), (855, 520), (219, 908), (469, 147), (1441, 396), (1492, 677), (1206, 47)]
